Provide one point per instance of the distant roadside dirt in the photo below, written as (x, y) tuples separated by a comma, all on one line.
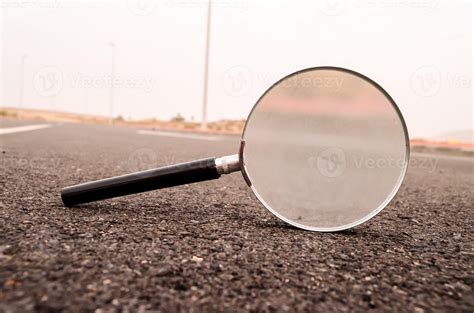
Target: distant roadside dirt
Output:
[(222, 126)]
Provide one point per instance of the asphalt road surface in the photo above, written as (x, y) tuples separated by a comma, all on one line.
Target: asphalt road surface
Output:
[(210, 246)]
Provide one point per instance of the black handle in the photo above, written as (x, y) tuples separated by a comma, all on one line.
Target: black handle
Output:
[(180, 174)]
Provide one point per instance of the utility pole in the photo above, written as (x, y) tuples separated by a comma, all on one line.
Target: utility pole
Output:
[(22, 81), (206, 67), (112, 76)]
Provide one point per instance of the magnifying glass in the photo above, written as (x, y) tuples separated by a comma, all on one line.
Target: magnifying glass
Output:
[(323, 149)]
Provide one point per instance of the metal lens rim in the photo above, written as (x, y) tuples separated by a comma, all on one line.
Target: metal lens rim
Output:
[(248, 177)]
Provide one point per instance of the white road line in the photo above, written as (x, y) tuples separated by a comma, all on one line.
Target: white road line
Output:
[(11, 130), (179, 135)]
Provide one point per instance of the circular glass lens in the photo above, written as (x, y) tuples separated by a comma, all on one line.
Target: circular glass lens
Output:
[(325, 149)]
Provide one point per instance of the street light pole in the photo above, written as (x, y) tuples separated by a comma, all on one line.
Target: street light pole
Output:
[(112, 75), (22, 81), (206, 67)]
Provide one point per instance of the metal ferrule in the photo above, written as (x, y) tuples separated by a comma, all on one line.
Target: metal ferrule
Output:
[(228, 164)]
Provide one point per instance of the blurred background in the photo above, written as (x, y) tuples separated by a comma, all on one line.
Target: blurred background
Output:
[(177, 63)]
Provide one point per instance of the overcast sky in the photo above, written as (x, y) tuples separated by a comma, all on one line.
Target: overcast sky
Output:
[(419, 51)]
